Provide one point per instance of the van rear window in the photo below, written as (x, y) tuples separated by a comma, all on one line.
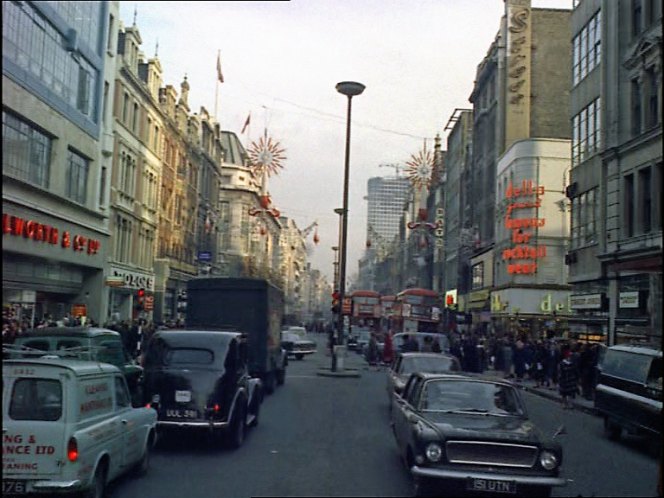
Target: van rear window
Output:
[(36, 399), (629, 366)]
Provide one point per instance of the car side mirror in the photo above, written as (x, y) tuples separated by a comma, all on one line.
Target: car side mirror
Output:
[(561, 431)]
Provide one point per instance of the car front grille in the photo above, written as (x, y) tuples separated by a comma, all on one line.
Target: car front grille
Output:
[(489, 453)]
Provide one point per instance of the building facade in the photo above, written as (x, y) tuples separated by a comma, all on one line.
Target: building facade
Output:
[(54, 202), (615, 253)]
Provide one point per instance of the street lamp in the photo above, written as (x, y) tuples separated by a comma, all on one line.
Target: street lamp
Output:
[(349, 89)]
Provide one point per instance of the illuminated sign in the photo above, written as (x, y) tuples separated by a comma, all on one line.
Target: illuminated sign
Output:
[(47, 234), (524, 248)]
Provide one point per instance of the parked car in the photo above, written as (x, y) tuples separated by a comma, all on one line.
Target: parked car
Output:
[(68, 427), (407, 363), (460, 433), (295, 346), (86, 343), (199, 380), (629, 391), (297, 330)]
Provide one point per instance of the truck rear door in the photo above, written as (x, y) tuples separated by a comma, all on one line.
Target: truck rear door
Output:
[(33, 425)]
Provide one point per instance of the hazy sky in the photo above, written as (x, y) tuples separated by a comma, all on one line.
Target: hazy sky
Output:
[(281, 61)]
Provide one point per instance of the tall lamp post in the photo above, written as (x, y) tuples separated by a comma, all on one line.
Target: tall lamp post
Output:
[(349, 89)]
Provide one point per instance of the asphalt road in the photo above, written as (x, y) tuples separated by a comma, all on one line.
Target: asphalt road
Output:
[(323, 436)]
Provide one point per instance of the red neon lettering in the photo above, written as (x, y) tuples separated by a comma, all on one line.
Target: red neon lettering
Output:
[(66, 240), (6, 224)]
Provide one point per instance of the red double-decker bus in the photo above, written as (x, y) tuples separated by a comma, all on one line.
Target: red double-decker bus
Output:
[(365, 315), (386, 312), (416, 310)]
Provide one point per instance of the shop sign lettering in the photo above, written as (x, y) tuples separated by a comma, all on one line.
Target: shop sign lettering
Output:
[(135, 281), (521, 238), (40, 232)]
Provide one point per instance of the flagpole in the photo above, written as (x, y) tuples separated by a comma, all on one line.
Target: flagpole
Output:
[(216, 99)]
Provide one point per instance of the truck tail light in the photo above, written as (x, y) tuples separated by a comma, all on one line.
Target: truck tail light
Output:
[(72, 449), (216, 407)]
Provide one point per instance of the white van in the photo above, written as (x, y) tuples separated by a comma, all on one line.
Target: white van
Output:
[(68, 426)]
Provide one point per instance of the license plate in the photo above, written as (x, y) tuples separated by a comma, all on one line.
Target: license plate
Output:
[(492, 486), (13, 487), (171, 413), (183, 396)]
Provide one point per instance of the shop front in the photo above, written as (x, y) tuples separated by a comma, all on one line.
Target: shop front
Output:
[(478, 306), (537, 313), (590, 317), (52, 268), (130, 294)]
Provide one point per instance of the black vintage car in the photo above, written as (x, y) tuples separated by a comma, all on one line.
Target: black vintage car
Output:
[(198, 379), (462, 433), (296, 346)]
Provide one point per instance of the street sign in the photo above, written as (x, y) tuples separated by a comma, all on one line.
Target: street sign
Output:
[(148, 303), (204, 256), (347, 306)]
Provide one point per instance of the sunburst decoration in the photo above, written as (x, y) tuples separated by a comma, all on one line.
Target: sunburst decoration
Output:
[(266, 155), (420, 168)]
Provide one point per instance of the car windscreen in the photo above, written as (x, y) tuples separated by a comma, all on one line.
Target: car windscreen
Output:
[(36, 399), (430, 364), (626, 365), (470, 397), (288, 337)]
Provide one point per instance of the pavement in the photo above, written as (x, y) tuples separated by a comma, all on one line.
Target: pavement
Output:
[(579, 402)]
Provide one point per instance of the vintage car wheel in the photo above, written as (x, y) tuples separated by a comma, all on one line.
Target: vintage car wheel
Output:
[(270, 382), (237, 433), (612, 430), (256, 409), (98, 488), (281, 376)]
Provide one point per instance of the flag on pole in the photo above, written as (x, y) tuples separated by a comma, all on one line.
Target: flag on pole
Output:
[(246, 123), (220, 76)]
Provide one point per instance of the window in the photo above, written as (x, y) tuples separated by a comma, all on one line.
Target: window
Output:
[(636, 106), (102, 187), (637, 21), (586, 48), (105, 103), (478, 275), (77, 177), (36, 399), (134, 119), (645, 195), (586, 132), (122, 399), (111, 33), (26, 151), (653, 103), (585, 209), (125, 107), (628, 225), (84, 91)]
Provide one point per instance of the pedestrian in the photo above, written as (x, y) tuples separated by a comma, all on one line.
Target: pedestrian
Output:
[(372, 350), (388, 349), (568, 378), (519, 360), (538, 363), (427, 347), (507, 358), (410, 344)]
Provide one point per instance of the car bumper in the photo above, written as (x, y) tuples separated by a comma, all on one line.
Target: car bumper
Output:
[(169, 424), (302, 351), (522, 479), (55, 486)]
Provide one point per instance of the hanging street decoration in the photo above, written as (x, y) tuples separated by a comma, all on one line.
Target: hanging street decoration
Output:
[(266, 156), (420, 168)]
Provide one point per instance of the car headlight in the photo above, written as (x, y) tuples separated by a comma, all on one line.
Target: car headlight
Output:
[(548, 460), (434, 452)]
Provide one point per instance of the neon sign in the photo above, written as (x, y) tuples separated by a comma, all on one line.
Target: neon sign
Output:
[(521, 250)]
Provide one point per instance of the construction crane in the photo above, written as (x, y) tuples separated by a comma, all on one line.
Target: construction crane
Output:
[(397, 167)]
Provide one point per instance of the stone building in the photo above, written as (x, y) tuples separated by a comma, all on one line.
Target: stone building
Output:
[(615, 256), (135, 178), (54, 177), (518, 94)]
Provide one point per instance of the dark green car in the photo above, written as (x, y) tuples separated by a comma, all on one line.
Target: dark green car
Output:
[(85, 343)]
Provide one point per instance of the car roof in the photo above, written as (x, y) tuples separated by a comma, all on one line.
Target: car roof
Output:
[(80, 367), (67, 331), (465, 376), (424, 354), (638, 349), (195, 338)]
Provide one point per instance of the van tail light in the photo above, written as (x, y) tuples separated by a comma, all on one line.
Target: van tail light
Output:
[(216, 408), (72, 450)]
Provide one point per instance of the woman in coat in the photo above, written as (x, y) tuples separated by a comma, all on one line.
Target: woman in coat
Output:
[(568, 378)]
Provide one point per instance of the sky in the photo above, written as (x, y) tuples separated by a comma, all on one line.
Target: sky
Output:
[(281, 61)]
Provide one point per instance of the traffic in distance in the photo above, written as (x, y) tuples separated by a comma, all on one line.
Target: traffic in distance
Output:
[(80, 412)]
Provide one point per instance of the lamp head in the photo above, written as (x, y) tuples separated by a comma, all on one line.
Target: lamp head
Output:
[(350, 88)]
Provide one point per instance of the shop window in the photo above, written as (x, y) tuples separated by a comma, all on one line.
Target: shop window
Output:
[(645, 197), (77, 177), (636, 106), (628, 225)]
